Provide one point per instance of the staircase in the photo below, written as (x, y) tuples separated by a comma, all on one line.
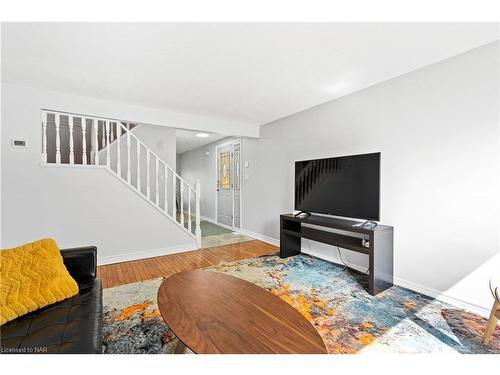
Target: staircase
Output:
[(83, 141)]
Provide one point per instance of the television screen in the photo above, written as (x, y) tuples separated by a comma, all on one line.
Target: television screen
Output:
[(342, 186)]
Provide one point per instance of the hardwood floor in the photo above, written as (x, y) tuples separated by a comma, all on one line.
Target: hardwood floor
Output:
[(150, 268)]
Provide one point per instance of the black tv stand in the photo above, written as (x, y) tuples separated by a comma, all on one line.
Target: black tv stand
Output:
[(380, 237)]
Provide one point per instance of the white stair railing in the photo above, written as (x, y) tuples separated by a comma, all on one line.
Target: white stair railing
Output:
[(113, 133)]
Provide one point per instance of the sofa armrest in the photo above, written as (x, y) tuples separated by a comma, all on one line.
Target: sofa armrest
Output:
[(81, 263)]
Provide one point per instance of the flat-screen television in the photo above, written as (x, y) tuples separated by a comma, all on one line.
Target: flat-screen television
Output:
[(341, 186)]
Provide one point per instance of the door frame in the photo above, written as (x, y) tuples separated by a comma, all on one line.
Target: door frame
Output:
[(225, 144)]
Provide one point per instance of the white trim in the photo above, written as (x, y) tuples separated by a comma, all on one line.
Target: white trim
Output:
[(90, 166), (209, 219), (484, 312), (261, 237), (443, 297), (158, 209), (225, 144), (239, 142), (234, 229), (122, 180), (332, 259), (145, 254)]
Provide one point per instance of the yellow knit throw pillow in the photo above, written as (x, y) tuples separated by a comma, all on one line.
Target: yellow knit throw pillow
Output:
[(32, 276)]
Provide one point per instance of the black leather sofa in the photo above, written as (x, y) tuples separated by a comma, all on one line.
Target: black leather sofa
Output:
[(70, 326)]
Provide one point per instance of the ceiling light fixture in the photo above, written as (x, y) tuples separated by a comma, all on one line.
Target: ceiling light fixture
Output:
[(202, 135)]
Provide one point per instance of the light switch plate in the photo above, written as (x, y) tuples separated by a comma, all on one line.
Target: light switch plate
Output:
[(19, 143)]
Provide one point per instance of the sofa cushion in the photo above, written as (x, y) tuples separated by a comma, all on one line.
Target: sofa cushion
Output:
[(32, 276), (70, 326)]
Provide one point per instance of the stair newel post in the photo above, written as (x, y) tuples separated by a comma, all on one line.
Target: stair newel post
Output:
[(44, 137), (148, 187), (157, 195), (138, 150), (58, 139), (111, 132), (84, 142), (165, 173), (189, 208), (95, 147), (71, 151), (103, 136), (174, 183), (108, 156), (181, 186), (118, 151), (128, 156), (198, 226)]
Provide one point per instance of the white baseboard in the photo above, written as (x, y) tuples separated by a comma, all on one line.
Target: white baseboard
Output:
[(213, 221), (209, 219), (258, 236), (440, 296), (332, 259), (145, 254), (443, 297)]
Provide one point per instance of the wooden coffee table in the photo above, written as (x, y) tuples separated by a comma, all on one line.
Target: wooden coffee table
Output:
[(211, 312)]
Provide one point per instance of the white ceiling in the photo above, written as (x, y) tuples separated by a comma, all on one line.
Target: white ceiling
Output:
[(187, 140), (248, 73)]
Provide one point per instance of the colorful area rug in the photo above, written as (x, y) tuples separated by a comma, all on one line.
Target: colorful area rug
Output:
[(333, 299)]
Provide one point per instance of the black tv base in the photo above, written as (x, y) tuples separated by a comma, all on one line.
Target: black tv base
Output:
[(380, 250)]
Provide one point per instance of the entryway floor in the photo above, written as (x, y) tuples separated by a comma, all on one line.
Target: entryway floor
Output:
[(214, 235)]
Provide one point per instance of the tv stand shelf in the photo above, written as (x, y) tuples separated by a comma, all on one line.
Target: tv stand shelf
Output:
[(331, 238), (380, 238)]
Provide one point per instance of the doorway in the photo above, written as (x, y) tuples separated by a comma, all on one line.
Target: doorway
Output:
[(228, 199)]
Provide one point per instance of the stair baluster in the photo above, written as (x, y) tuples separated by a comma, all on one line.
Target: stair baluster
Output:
[(157, 196), (108, 135), (103, 137), (118, 151), (198, 219), (189, 208), (165, 173), (148, 187), (45, 119), (174, 183), (84, 142), (128, 157), (95, 146), (138, 166), (58, 140), (108, 156), (181, 186), (71, 140)]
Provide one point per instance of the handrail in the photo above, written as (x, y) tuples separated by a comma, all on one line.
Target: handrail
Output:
[(155, 155), (110, 129)]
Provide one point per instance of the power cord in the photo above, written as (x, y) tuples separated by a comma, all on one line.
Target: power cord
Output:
[(346, 267), (345, 264), (342, 259)]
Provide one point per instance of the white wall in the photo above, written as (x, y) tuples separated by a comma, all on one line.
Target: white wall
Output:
[(159, 139), (195, 164), (74, 206), (438, 131)]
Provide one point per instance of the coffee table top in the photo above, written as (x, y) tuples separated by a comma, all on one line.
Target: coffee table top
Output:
[(211, 312)]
